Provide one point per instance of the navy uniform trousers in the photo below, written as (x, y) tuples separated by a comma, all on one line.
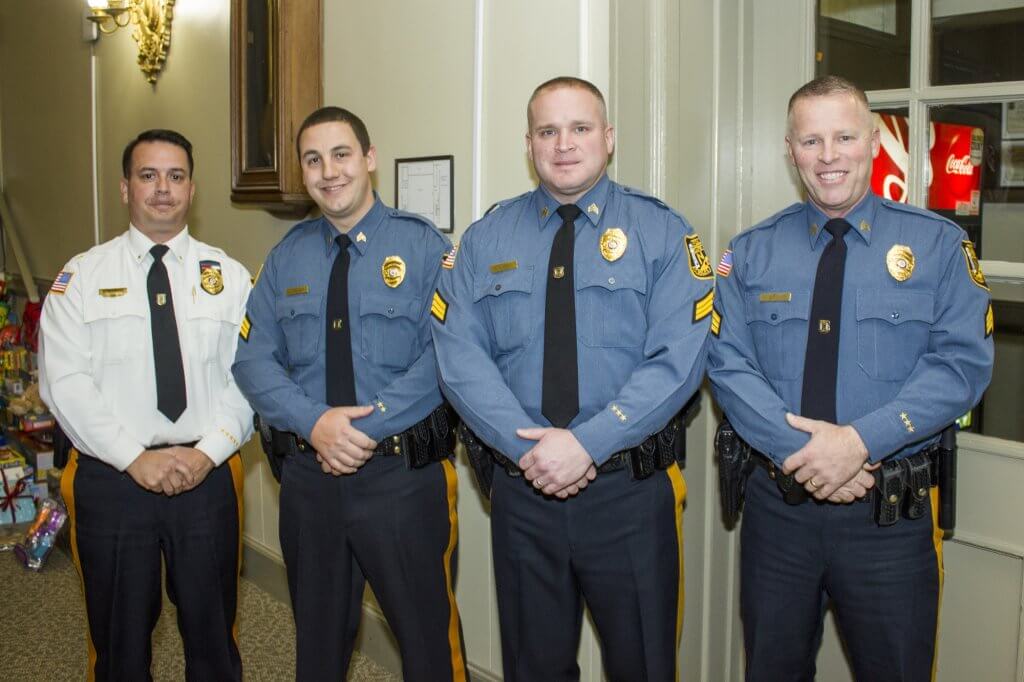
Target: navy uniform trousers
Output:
[(376, 525), (618, 545), (120, 531), (886, 583)]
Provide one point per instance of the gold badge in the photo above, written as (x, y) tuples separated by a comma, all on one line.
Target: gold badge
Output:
[(900, 262), (593, 209), (210, 277), (393, 271), (558, 272), (613, 244), (700, 266), (973, 266), (113, 293)]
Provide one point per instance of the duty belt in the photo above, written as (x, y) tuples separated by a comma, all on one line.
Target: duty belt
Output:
[(429, 440)]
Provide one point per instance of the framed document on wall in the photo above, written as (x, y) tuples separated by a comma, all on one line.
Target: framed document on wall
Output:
[(425, 185)]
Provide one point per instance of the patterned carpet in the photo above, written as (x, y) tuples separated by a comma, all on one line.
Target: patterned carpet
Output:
[(43, 618)]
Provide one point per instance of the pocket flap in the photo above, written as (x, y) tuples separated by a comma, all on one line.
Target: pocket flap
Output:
[(766, 306), (289, 307), (895, 307), (613, 279), (376, 303), (496, 284), (98, 307)]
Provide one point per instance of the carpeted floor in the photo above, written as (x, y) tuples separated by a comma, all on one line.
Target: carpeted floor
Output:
[(43, 630)]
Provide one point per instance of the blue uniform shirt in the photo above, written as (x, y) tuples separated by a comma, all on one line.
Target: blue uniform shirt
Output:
[(643, 308), (280, 362), (915, 350)]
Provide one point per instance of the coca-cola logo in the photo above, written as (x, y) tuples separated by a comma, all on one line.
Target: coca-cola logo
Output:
[(961, 166)]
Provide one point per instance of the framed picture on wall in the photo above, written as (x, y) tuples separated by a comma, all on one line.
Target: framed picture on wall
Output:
[(425, 185)]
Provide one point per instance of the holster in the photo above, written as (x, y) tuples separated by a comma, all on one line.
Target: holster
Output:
[(275, 453), (917, 473), (734, 465), (479, 458), (945, 476)]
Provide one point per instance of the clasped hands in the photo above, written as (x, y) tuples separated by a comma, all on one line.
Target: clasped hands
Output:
[(340, 447), (832, 466), (557, 464), (170, 471)]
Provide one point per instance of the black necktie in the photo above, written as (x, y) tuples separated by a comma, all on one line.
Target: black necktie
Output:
[(340, 377), (560, 399), (818, 400), (170, 374)]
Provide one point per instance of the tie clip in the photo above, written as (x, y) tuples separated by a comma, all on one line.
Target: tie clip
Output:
[(558, 272)]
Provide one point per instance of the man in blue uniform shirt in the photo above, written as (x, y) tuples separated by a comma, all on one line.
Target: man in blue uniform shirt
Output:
[(335, 354), (570, 328), (853, 330)]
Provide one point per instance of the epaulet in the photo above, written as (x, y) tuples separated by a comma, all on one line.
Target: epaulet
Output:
[(297, 227), (416, 217), (771, 221), (504, 203), (634, 192), (916, 211)]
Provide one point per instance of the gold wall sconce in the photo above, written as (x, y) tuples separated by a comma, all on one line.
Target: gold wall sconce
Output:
[(152, 20)]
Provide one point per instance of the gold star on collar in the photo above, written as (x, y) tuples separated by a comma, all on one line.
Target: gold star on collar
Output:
[(865, 226), (593, 209)]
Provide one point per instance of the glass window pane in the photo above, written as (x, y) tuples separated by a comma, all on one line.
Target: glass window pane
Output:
[(976, 179), (889, 171), (976, 176), (867, 41), (977, 41)]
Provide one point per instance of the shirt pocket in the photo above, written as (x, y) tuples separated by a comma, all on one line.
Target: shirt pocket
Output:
[(116, 326), (211, 324), (506, 298), (610, 308), (779, 329), (302, 325), (388, 328), (892, 331)]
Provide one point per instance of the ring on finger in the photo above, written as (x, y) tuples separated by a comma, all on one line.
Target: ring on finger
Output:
[(814, 484)]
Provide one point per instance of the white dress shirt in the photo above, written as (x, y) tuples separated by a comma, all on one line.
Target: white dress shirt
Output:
[(96, 351)]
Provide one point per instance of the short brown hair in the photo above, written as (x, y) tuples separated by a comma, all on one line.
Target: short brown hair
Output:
[(565, 82), (828, 85), (331, 114), (156, 135)]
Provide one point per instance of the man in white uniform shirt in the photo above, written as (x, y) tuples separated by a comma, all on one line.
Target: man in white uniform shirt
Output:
[(138, 336)]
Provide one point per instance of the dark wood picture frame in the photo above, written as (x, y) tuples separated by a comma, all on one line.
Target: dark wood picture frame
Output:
[(275, 84), (450, 158)]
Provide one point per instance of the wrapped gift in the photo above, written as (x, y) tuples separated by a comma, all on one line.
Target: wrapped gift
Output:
[(16, 502), (10, 459)]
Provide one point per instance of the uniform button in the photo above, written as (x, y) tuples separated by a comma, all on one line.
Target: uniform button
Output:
[(775, 316), (895, 315), (497, 287), (921, 492), (398, 451), (391, 311), (394, 439), (611, 280)]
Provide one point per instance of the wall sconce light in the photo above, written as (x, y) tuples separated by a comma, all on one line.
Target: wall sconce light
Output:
[(152, 19)]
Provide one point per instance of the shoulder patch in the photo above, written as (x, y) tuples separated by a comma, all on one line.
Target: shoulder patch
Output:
[(973, 266), (700, 266), (725, 265), (448, 260), (61, 281)]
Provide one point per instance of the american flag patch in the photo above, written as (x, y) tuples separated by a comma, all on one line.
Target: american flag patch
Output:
[(448, 262), (725, 265), (60, 284)]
